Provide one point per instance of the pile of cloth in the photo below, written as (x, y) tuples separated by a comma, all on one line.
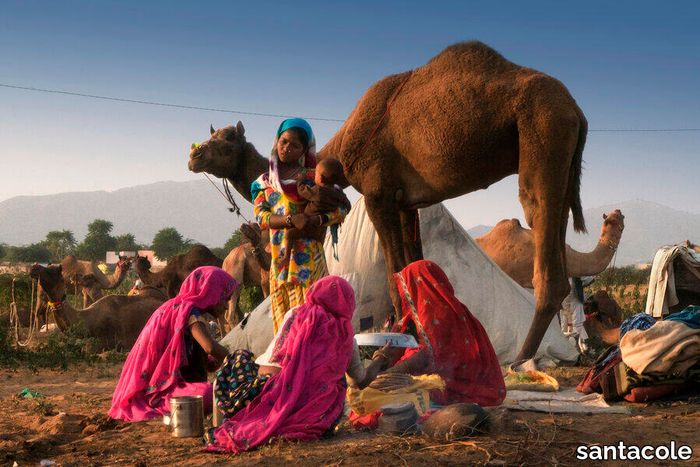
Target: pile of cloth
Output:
[(654, 359)]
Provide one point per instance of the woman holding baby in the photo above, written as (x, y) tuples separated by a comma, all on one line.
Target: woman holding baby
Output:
[(281, 199)]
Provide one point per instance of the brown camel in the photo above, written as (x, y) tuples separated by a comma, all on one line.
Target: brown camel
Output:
[(86, 277), (511, 246), (177, 269), (116, 320), (462, 122), (228, 155), (249, 264)]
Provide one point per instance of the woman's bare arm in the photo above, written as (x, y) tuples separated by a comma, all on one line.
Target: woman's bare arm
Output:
[(208, 344)]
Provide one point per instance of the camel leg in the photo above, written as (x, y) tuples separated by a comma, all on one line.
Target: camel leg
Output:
[(410, 229), (543, 180), (386, 219)]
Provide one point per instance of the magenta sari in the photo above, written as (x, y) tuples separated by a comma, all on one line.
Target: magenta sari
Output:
[(151, 373), (306, 397)]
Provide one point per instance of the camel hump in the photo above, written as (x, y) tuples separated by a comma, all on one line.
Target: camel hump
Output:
[(472, 55), (509, 224)]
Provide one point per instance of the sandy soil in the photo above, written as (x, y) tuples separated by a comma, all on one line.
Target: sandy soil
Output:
[(69, 427)]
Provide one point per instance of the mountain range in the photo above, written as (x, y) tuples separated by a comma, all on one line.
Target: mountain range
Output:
[(194, 208), (200, 213)]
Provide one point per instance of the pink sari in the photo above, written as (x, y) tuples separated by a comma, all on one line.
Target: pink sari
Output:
[(304, 399), (151, 373)]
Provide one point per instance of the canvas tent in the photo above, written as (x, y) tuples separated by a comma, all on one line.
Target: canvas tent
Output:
[(674, 281), (504, 308)]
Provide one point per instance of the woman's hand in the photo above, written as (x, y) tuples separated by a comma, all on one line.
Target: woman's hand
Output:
[(391, 382), (268, 370), (301, 221)]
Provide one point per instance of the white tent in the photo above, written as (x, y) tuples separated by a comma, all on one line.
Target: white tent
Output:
[(504, 308)]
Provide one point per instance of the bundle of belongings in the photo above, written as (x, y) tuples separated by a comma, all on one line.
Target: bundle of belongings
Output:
[(654, 359)]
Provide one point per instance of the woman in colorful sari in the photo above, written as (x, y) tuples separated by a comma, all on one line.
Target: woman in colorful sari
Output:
[(304, 397), (174, 350), (278, 207), (452, 342)]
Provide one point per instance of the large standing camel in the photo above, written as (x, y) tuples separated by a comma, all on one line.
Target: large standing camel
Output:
[(116, 320), (512, 247), (177, 269), (465, 120)]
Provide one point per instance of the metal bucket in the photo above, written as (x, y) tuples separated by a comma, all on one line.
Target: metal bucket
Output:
[(187, 416)]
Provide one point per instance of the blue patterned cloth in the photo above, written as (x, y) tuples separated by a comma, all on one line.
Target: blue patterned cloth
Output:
[(689, 316), (639, 321)]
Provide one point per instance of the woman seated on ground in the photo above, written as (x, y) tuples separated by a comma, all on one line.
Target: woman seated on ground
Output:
[(172, 354), (452, 342), (299, 393)]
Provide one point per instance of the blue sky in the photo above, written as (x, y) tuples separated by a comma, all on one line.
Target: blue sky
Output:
[(629, 65)]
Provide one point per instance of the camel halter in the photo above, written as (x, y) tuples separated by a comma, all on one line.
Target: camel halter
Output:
[(228, 196)]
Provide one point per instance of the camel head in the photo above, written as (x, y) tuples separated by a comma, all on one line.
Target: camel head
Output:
[(51, 281), (124, 263), (222, 154), (142, 264), (613, 225)]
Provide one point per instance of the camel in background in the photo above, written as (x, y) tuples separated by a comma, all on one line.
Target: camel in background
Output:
[(511, 247), (249, 264), (116, 320), (462, 122), (86, 277), (178, 268)]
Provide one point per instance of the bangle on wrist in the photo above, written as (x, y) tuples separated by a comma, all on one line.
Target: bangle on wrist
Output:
[(288, 220)]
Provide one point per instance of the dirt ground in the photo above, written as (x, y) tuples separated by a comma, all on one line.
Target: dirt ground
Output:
[(69, 426)]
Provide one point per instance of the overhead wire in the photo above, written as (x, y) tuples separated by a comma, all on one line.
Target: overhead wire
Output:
[(263, 114)]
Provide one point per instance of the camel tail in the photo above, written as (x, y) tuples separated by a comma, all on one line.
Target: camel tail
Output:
[(575, 178)]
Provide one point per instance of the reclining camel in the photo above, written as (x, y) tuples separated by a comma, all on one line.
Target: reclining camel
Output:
[(116, 320), (511, 246)]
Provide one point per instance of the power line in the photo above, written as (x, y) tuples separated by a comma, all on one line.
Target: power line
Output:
[(261, 114), (161, 104)]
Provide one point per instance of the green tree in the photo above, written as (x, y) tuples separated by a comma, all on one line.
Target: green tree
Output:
[(233, 241), (60, 243), (3, 250), (98, 241), (168, 242), (34, 253), (126, 242)]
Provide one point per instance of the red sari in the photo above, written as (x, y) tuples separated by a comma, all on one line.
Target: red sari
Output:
[(458, 348)]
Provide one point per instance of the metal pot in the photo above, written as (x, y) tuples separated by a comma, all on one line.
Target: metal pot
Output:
[(187, 416)]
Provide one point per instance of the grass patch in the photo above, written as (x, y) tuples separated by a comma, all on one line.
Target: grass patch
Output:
[(58, 351)]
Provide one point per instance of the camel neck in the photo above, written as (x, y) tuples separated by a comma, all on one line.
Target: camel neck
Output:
[(594, 262), (149, 278), (251, 166), (64, 313), (117, 277)]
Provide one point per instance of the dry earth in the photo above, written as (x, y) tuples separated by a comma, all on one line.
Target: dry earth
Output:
[(69, 426)]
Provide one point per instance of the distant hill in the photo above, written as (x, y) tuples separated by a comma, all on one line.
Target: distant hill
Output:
[(199, 212), (648, 226), (194, 208)]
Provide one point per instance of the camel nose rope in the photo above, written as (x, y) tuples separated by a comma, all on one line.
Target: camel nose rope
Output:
[(228, 196), (33, 315)]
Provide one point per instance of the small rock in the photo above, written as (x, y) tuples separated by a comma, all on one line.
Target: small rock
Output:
[(455, 422)]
